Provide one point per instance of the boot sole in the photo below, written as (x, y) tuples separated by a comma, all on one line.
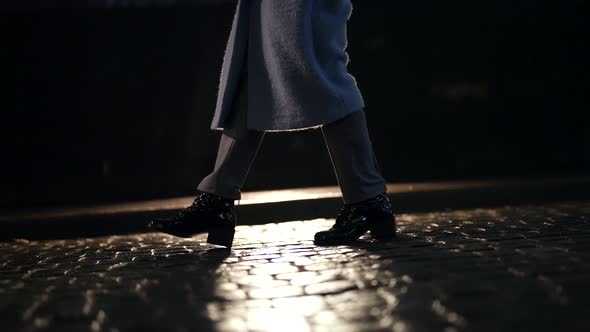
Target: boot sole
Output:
[(218, 236), (346, 240)]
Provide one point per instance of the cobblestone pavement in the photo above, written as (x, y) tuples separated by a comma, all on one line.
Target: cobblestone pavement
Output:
[(507, 269)]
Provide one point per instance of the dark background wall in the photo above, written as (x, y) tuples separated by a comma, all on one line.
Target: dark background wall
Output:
[(113, 100)]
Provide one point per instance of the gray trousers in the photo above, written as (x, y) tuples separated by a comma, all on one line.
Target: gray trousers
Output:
[(347, 140)]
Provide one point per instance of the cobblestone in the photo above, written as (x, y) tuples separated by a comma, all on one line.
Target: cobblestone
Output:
[(504, 269)]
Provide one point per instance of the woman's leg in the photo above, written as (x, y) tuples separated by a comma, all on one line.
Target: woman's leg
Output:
[(237, 149), (353, 158), (366, 206)]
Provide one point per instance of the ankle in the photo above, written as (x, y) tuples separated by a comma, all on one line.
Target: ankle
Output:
[(214, 199), (368, 201)]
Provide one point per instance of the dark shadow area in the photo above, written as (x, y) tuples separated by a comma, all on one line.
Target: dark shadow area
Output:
[(113, 103)]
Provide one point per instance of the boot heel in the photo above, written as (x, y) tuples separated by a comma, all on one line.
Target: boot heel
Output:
[(384, 229), (221, 236)]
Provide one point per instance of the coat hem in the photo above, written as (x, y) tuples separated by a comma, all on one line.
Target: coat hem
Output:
[(221, 129), (302, 128)]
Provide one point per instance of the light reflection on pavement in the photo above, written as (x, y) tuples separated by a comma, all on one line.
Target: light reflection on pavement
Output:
[(486, 270)]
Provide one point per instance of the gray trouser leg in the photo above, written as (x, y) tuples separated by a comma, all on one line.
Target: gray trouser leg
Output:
[(353, 158), (237, 149), (234, 157)]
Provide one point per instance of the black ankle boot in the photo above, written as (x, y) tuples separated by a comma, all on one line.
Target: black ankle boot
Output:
[(374, 215), (208, 213)]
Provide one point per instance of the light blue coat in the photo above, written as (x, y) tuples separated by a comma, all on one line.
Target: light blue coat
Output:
[(297, 76)]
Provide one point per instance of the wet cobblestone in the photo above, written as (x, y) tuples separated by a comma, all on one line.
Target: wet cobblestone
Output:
[(506, 269)]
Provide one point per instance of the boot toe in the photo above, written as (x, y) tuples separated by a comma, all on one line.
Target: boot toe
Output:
[(332, 238)]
